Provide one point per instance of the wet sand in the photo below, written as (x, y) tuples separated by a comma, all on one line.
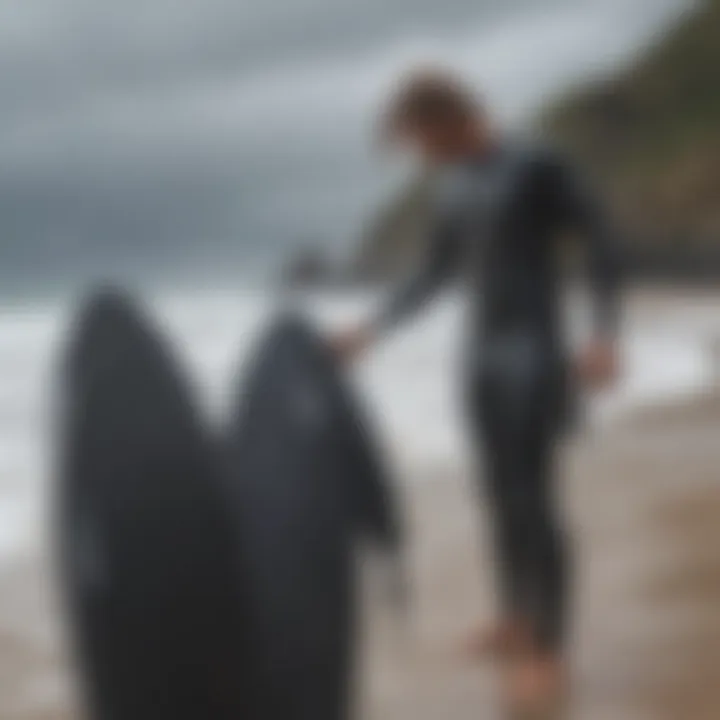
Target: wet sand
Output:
[(643, 504), (642, 500)]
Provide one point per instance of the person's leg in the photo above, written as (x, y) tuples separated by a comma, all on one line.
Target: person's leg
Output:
[(547, 561), (502, 494), (534, 517), (516, 424), (494, 435)]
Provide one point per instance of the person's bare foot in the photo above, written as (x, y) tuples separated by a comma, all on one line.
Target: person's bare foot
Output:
[(537, 684), (497, 641)]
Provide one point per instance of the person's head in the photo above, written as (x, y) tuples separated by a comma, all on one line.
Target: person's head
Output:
[(437, 115)]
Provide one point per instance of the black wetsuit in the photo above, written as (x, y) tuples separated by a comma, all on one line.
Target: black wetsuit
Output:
[(497, 220)]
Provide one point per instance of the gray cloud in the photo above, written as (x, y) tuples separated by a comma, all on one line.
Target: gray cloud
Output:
[(148, 136)]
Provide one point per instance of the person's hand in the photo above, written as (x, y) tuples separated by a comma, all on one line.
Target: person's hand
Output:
[(598, 365), (350, 344)]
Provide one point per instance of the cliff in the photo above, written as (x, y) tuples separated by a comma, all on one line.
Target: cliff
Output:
[(653, 134)]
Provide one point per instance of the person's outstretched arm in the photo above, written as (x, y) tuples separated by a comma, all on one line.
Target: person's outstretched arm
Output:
[(437, 265)]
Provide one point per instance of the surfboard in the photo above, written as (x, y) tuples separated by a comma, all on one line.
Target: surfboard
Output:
[(148, 554), (308, 483)]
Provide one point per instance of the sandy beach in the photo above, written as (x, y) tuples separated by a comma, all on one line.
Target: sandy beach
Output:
[(643, 501), (642, 498)]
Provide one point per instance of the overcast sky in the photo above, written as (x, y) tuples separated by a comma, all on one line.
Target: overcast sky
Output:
[(155, 137)]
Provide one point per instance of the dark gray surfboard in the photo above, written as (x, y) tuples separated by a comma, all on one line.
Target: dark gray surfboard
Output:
[(308, 483), (148, 557)]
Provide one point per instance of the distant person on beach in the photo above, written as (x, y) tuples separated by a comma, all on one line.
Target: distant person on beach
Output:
[(499, 210)]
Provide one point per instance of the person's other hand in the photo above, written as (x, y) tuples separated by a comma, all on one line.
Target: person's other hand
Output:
[(349, 345), (598, 365)]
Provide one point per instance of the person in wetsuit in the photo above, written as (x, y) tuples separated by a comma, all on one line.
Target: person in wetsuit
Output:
[(499, 211)]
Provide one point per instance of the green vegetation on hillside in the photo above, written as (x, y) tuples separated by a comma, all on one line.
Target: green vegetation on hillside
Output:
[(654, 132)]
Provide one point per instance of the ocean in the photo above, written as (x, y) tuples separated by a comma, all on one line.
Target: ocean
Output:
[(410, 381)]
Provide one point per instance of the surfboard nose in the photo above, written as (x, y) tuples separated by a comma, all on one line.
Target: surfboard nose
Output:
[(107, 305), (107, 324)]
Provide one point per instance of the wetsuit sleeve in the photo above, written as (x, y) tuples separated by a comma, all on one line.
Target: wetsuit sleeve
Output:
[(582, 212), (436, 267)]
